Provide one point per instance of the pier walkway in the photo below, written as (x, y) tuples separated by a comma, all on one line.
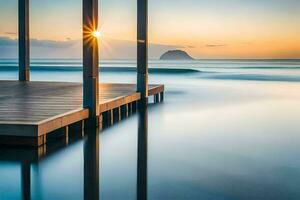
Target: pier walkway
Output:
[(29, 111)]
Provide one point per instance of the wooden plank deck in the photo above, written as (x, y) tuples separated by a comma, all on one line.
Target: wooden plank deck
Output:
[(32, 109)]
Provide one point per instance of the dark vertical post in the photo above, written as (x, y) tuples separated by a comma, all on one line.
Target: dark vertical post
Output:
[(161, 96), (25, 173), (90, 60), (24, 40), (142, 153), (142, 50), (156, 98), (124, 111), (91, 165)]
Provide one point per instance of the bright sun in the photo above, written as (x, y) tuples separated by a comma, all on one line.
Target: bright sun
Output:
[(97, 34)]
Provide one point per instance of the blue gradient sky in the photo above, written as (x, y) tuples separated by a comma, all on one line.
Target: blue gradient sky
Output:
[(205, 28)]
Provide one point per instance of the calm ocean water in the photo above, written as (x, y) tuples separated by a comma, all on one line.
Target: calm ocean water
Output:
[(228, 129)]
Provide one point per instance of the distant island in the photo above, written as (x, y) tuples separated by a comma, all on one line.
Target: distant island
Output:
[(176, 55)]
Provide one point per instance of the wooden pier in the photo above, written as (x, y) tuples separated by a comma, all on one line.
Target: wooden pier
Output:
[(29, 111)]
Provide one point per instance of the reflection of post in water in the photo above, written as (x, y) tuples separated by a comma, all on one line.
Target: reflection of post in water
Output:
[(91, 164), (142, 153), (25, 173)]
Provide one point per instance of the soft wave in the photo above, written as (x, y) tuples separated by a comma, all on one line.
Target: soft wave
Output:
[(254, 77), (103, 69)]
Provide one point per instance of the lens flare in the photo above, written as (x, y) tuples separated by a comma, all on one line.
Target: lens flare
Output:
[(97, 34)]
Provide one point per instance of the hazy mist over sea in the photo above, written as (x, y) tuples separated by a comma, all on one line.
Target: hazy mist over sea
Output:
[(231, 69), (228, 129)]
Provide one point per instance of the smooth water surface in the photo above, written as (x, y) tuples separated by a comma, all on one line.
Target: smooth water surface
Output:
[(228, 131)]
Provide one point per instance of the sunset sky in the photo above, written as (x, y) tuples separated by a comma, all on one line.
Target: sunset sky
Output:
[(204, 28)]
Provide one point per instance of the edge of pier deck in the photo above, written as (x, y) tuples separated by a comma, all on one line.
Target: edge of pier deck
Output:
[(114, 99)]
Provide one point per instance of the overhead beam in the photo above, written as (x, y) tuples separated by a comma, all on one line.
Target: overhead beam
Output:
[(142, 50), (90, 59), (23, 15)]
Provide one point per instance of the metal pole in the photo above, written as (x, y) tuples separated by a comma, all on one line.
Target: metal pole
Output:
[(142, 50), (90, 60), (23, 14)]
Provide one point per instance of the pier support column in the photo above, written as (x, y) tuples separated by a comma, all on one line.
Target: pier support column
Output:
[(23, 15), (66, 133), (124, 111), (156, 98), (26, 180), (107, 118), (134, 106), (90, 61), (142, 157), (161, 96), (142, 51), (116, 114), (129, 109), (91, 164)]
